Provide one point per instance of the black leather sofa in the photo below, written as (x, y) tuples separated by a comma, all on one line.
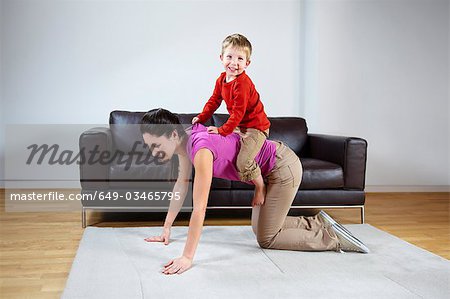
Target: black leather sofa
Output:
[(333, 167)]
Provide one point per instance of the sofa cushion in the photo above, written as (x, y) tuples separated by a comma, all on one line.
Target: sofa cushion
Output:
[(241, 186), (218, 183), (291, 130), (121, 175), (318, 174), (125, 131)]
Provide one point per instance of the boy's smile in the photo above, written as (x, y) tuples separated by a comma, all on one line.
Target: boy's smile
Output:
[(235, 62)]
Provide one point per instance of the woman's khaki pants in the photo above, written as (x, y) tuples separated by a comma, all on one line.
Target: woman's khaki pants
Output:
[(273, 228)]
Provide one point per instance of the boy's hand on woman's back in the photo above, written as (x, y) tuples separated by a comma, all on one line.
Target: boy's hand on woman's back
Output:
[(213, 130), (195, 120)]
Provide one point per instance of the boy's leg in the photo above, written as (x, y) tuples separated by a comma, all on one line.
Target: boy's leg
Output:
[(251, 143), (260, 191)]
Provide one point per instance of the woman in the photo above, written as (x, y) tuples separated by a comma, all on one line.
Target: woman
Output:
[(214, 155)]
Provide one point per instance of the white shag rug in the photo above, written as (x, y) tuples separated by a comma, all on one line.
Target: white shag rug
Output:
[(118, 263)]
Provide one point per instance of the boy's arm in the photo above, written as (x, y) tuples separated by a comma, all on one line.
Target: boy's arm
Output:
[(240, 101), (213, 103)]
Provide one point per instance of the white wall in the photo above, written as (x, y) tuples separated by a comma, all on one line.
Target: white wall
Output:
[(371, 68), (75, 61), (379, 69)]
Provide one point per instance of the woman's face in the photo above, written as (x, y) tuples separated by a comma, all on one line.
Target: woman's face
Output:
[(161, 147)]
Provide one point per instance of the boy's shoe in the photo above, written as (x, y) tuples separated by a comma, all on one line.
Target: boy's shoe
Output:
[(347, 242), (328, 220)]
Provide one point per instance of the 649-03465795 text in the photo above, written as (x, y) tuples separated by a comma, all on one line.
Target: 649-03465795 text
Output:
[(97, 195), (137, 195)]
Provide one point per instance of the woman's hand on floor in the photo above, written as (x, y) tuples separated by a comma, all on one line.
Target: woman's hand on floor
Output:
[(177, 266), (164, 237)]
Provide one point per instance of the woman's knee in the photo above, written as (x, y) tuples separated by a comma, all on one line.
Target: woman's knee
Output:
[(255, 229), (255, 219), (264, 241)]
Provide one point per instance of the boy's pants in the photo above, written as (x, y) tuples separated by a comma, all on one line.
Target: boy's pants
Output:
[(251, 143), (273, 228)]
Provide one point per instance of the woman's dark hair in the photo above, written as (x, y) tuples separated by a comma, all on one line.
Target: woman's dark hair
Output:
[(160, 122)]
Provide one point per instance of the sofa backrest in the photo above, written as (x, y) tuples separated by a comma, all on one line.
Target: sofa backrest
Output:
[(125, 130), (291, 130), (186, 119)]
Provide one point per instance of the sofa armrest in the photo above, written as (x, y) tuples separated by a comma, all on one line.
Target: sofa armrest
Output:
[(348, 152), (93, 173)]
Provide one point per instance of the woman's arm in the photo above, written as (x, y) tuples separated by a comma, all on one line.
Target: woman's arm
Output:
[(203, 163), (180, 188)]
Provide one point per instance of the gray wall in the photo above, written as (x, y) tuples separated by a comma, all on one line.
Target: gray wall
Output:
[(379, 69), (376, 69)]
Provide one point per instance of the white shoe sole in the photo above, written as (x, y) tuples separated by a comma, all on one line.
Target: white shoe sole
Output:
[(350, 242), (331, 221)]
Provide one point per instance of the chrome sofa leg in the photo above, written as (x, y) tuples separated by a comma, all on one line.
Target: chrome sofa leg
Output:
[(83, 217), (362, 215)]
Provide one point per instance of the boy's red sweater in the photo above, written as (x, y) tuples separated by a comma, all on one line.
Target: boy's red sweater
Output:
[(243, 103)]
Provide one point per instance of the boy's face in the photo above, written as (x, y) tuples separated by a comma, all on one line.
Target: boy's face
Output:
[(235, 61)]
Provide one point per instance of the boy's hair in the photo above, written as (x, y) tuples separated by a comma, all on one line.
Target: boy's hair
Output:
[(238, 41)]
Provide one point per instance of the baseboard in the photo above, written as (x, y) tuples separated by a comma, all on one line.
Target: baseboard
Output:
[(407, 188)]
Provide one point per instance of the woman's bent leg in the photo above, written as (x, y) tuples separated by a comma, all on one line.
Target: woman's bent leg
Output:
[(255, 218), (305, 222), (273, 229)]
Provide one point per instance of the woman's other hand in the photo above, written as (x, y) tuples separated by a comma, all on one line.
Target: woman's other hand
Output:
[(178, 265), (195, 120), (164, 237)]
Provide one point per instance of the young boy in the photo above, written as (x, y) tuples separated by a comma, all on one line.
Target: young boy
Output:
[(247, 116)]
